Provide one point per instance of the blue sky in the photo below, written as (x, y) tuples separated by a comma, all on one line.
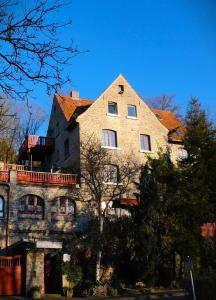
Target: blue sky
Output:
[(160, 46)]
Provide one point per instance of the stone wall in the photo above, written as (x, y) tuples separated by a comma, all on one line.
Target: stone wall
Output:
[(96, 118), (61, 134), (34, 270), (29, 227)]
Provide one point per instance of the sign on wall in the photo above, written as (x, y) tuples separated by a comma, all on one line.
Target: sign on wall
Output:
[(48, 245)]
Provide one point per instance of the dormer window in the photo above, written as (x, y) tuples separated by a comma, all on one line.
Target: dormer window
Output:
[(112, 108), (120, 89)]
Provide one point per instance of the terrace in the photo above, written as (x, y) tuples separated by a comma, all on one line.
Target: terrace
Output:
[(33, 177), (24, 177), (37, 146)]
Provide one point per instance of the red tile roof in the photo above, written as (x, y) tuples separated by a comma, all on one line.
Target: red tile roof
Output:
[(68, 105), (171, 122), (167, 118)]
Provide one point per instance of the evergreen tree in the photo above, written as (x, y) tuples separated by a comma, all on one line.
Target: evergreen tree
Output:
[(199, 168), (154, 220)]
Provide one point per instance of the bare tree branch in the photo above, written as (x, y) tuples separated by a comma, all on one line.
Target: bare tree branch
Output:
[(96, 189), (30, 51), (164, 102)]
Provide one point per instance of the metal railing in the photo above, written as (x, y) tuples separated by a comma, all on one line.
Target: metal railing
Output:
[(44, 177), (5, 176)]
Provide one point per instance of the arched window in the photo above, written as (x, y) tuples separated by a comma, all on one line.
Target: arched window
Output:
[(63, 206), (109, 138), (31, 206), (1, 207)]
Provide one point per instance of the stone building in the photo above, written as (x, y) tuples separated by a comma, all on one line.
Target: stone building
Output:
[(119, 118), (40, 212)]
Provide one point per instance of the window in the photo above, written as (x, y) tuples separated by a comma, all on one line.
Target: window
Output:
[(31, 205), (120, 89), (112, 108), (63, 206), (145, 143), (132, 112), (109, 138), (182, 153), (1, 207), (111, 173), (66, 148)]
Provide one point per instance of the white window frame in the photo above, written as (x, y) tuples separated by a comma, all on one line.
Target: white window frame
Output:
[(149, 143), (129, 116)]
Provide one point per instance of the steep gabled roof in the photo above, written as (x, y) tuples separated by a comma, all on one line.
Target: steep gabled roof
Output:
[(68, 105), (74, 107), (172, 123)]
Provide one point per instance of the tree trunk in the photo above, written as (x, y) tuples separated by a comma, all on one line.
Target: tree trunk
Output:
[(99, 246)]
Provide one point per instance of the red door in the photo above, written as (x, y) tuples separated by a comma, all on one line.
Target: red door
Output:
[(10, 275)]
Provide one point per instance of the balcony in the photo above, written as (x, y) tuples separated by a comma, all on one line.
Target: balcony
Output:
[(5, 176), (25, 177), (36, 146)]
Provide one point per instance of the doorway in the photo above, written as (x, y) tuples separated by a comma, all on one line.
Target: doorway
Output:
[(52, 274)]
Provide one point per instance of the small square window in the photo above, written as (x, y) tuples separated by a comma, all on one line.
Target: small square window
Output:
[(120, 89), (132, 112), (145, 143), (112, 108)]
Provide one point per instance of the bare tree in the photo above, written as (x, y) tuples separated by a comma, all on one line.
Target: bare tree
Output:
[(164, 102), (105, 178), (17, 120), (30, 119), (8, 129), (30, 52)]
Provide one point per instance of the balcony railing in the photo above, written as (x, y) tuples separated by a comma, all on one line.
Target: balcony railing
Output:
[(4, 176), (37, 143), (46, 178), (13, 167)]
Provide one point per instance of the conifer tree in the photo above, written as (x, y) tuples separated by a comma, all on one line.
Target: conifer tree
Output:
[(200, 166)]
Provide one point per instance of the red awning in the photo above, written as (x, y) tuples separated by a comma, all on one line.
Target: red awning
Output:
[(208, 230), (129, 201)]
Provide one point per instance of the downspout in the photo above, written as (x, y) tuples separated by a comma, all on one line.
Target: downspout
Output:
[(7, 213)]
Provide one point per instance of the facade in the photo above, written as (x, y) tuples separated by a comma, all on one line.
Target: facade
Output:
[(40, 212), (119, 118)]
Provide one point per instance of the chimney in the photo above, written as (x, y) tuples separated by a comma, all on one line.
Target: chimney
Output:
[(75, 95)]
